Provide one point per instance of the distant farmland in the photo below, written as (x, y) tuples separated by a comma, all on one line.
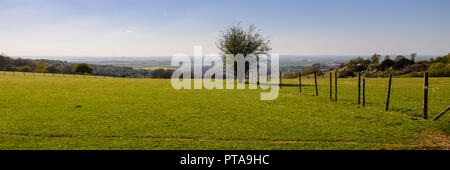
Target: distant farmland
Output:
[(72, 112), (158, 68)]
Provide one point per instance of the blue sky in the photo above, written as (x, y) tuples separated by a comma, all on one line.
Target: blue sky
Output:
[(166, 27)]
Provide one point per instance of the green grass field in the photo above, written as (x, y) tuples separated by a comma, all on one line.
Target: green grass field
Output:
[(72, 112)]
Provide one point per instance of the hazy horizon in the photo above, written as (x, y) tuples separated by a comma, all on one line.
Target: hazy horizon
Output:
[(299, 55), (341, 58)]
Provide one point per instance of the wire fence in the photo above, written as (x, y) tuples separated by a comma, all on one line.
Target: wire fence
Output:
[(406, 95), (34, 74), (80, 75), (439, 95)]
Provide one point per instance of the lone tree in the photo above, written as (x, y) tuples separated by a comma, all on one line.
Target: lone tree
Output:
[(237, 40), (412, 57), (82, 68)]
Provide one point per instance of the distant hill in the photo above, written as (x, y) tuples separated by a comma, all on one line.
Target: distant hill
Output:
[(143, 66)]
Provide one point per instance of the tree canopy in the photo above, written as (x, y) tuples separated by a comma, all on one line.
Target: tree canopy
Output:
[(82, 68), (237, 40)]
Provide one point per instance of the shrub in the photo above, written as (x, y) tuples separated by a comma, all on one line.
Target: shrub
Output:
[(439, 70), (24, 69), (386, 64), (401, 63)]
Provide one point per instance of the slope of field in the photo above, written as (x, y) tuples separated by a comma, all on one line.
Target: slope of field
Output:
[(69, 112)]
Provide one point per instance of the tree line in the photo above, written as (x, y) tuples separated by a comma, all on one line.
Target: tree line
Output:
[(63, 67), (399, 66)]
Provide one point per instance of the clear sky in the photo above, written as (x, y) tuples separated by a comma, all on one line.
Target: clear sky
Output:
[(166, 27)]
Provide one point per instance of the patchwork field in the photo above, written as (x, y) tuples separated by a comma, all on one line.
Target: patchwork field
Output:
[(72, 112)]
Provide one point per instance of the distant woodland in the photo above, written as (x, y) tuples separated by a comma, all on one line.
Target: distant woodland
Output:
[(375, 66), (398, 66), (63, 67)]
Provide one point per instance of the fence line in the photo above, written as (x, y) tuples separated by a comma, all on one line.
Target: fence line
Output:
[(412, 96), (93, 75)]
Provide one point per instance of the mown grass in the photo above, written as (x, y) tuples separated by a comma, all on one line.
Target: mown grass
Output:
[(116, 113)]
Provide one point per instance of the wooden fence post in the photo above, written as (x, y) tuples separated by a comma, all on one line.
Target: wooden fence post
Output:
[(388, 93), (442, 113), (335, 86), (364, 92), (359, 88), (425, 95), (315, 82), (257, 72), (331, 86), (300, 82)]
